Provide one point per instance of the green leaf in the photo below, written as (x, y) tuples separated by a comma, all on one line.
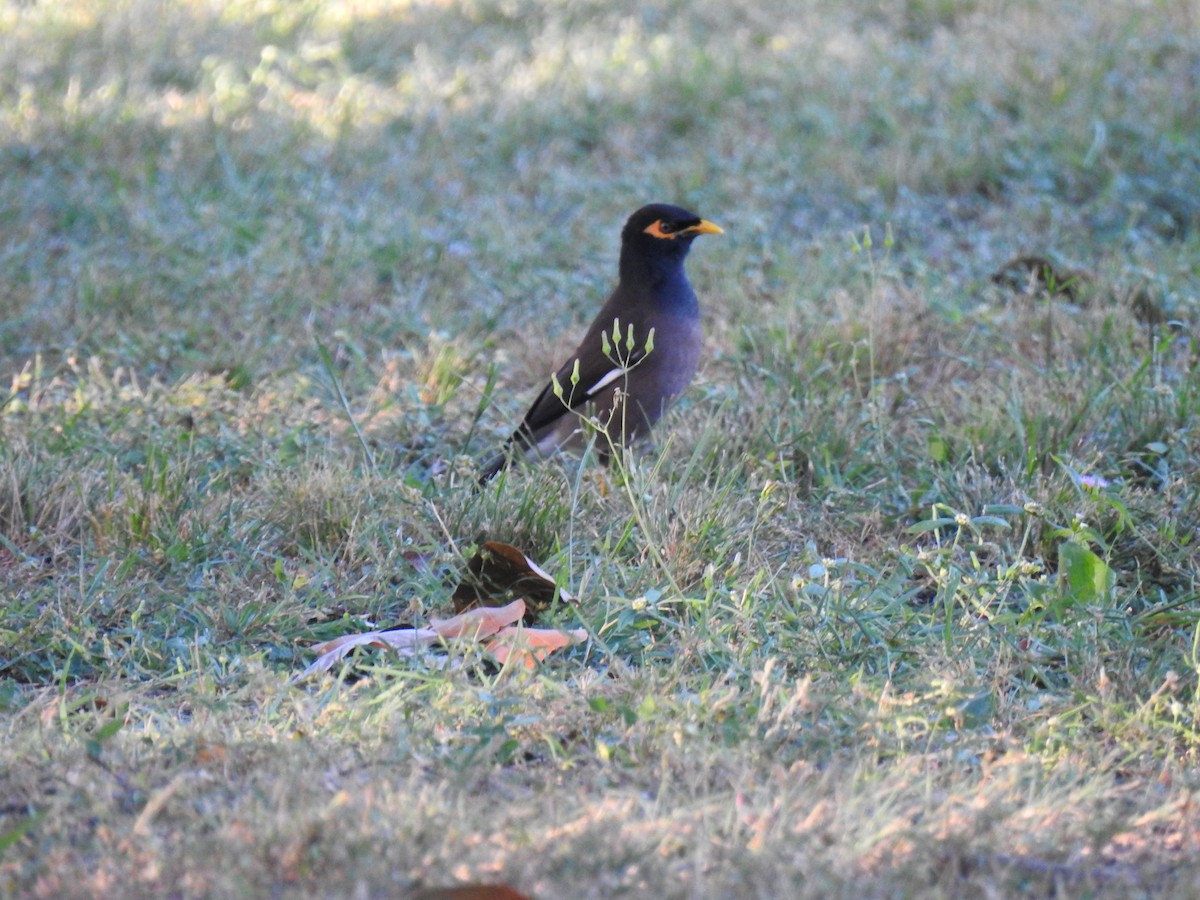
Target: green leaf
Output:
[(109, 728), (977, 709), (18, 831), (993, 521), (929, 525), (939, 451), (948, 592), (1002, 509), (1084, 574)]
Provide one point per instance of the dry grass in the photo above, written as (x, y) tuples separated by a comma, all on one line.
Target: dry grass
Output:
[(905, 601)]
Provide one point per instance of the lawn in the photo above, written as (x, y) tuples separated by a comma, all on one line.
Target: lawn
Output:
[(903, 601)]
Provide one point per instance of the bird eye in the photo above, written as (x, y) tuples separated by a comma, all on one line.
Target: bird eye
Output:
[(666, 227)]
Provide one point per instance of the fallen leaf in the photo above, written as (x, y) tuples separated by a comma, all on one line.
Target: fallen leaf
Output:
[(1033, 274), (404, 640), (468, 892), (530, 646), (473, 625), (422, 562), (401, 639), (480, 622), (498, 570)]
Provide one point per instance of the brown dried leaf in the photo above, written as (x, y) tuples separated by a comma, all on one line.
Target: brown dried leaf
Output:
[(419, 561), (1032, 274), (498, 570), (468, 892)]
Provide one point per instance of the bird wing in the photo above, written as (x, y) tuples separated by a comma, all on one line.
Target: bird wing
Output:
[(581, 379)]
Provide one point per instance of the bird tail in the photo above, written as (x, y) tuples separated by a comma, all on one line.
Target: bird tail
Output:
[(519, 443), (494, 465)]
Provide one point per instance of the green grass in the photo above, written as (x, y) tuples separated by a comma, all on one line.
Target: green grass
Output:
[(273, 276)]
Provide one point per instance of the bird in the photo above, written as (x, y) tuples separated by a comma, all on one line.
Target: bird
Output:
[(638, 355)]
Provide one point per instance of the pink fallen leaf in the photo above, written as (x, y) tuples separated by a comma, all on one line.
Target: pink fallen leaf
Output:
[(479, 622), (473, 625), (529, 646), (405, 641)]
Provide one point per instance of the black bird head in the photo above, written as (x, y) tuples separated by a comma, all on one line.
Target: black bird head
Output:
[(661, 229)]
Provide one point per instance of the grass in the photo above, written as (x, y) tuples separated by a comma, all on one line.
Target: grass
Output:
[(905, 601)]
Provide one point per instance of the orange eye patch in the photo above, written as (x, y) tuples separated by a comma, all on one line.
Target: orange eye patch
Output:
[(661, 229)]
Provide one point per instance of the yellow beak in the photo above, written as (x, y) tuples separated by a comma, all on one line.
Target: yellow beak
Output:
[(705, 227)]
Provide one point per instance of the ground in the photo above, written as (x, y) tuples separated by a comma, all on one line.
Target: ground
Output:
[(902, 602)]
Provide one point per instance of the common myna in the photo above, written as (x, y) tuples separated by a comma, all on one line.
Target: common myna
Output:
[(639, 353)]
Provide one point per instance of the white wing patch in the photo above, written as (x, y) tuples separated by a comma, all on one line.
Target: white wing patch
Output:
[(602, 383)]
